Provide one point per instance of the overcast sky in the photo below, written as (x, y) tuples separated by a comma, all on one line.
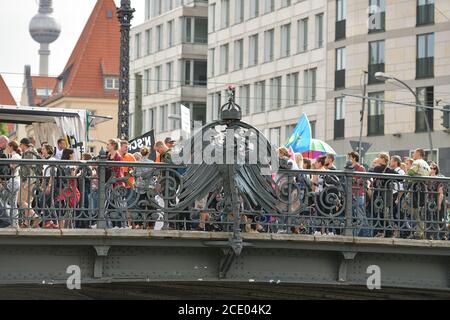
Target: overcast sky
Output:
[(19, 49)]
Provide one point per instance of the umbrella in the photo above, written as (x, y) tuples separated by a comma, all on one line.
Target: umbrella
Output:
[(317, 149)]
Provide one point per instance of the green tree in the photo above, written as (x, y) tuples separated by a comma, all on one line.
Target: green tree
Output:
[(3, 129)]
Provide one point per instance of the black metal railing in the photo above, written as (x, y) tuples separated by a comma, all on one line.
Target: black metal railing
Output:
[(58, 194), (425, 67), (374, 68), (340, 30), (425, 14), (375, 125), (339, 129), (339, 79)]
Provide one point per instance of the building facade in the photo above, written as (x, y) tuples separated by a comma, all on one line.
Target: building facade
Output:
[(274, 52), (405, 39), (168, 67)]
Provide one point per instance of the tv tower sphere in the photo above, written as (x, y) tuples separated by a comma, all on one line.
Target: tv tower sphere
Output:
[(44, 29)]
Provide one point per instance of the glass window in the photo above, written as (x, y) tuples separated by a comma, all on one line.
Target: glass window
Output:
[(302, 35), (253, 50), (170, 34), (286, 40), (275, 89), (319, 30), (269, 6), (212, 17), (376, 52), (244, 99), (269, 43), (339, 109), (200, 69), (148, 41), (138, 45), (310, 85), (201, 30), (225, 13), (163, 118), (425, 45), (292, 88), (159, 37), (260, 96), (254, 8), (340, 59), (341, 9), (158, 78), (169, 70), (239, 11), (238, 54), (211, 62), (224, 56)]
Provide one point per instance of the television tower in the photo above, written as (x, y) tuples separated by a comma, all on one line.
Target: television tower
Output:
[(44, 29)]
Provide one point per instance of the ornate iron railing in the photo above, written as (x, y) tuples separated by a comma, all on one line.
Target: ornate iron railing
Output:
[(52, 194)]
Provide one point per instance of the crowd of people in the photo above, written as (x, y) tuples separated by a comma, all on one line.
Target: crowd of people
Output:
[(382, 207), (40, 196)]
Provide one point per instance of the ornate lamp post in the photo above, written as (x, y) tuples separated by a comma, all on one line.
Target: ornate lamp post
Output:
[(124, 14)]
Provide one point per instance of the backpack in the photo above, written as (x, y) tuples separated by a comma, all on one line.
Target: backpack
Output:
[(31, 170), (5, 170)]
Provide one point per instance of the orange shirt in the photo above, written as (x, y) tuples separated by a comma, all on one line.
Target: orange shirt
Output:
[(158, 158), (128, 158)]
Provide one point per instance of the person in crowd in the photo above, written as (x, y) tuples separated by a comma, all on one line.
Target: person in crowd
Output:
[(299, 160), (48, 190), (437, 194), (358, 194), (28, 183), (84, 175), (329, 161), (5, 173), (408, 164), (164, 152), (9, 188), (137, 156), (169, 142), (397, 194), (382, 192), (307, 164), (61, 145), (128, 172), (419, 168), (403, 167), (116, 173), (68, 194)]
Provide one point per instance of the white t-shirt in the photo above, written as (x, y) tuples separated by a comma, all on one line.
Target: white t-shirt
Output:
[(16, 156), (58, 154)]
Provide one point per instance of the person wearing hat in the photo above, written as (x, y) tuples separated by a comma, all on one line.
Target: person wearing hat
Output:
[(169, 142), (27, 183)]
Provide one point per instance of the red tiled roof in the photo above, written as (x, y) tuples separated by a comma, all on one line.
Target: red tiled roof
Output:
[(97, 53), (6, 97), (39, 82)]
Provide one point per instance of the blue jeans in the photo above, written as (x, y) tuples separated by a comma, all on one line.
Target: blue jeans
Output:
[(361, 228)]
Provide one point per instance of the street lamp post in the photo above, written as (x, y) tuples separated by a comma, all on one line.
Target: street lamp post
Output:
[(383, 77), (124, 14)]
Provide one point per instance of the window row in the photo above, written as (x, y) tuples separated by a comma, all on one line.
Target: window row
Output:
[(192, 30), (376, 110), (192, 73), (255, 55), (221, 11), (270, 94), (154, 8), (377, 16), (424, 60), (166, 117)]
